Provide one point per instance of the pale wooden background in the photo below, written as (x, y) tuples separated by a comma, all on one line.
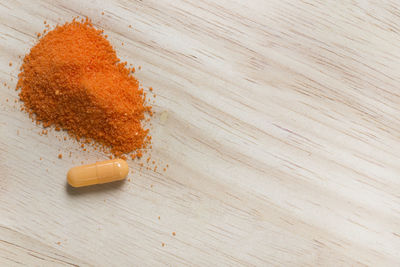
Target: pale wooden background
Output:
[(282, 136)]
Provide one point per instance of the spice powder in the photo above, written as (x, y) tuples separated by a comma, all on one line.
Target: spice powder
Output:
[(73, 79)]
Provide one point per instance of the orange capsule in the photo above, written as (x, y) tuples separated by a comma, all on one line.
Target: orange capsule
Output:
[(98, 173)]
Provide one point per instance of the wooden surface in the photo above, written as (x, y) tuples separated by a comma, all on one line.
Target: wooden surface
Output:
[(281, 129)]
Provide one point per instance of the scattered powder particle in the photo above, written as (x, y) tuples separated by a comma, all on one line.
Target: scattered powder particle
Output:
[(130, 26), (173, 233), (38, 34), (140, 67), (60, 156), (162, 244), (18, 132), (165, 169), (155, 169), (129, 179), (153, 162), (6, 99), (41, 158), (123, 157), (159, 217), (10, 64), (151, 89), (72, 79), (167, 165), (65, 138), (151, 186), (58, 243), (102, 13), (44, 22)]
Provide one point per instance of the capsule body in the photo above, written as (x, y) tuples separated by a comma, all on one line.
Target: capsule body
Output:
[(98, 173)]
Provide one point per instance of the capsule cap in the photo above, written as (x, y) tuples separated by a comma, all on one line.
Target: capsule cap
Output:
[(124, 168)]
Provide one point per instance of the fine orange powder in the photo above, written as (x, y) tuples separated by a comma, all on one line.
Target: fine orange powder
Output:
[(73, 79)]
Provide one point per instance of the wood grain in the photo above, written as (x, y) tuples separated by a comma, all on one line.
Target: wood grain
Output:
[(282, 137)]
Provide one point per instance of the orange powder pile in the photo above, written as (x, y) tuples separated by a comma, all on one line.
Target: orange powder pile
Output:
[(73, 79)]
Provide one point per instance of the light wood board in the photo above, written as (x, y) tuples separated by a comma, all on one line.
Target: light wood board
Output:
[(282, 135)]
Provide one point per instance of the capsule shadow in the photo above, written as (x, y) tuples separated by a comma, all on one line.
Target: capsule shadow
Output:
[(93, 189)]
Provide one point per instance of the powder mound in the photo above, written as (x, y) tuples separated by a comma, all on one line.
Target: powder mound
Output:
[(73, 79)]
